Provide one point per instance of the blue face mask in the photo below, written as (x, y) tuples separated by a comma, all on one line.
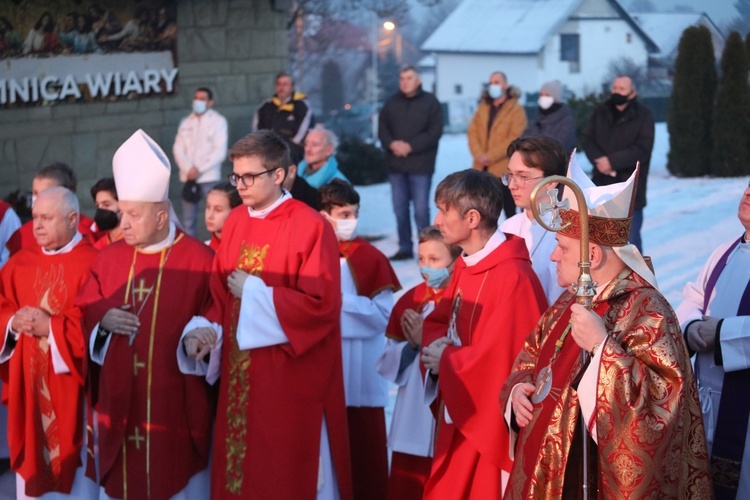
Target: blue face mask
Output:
[(434, 275)]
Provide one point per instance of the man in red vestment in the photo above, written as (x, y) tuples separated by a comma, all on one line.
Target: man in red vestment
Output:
[(43, 351), (494, 300), (367, 286), (55, 174), (154, 422), (281, 428)]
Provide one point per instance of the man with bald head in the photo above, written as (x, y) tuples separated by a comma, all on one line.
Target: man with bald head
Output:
[(43, 350), (154, 422), (620, 135)]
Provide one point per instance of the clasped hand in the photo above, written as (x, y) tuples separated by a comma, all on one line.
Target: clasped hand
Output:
[(199, 342), (31, 321), (432, 353)]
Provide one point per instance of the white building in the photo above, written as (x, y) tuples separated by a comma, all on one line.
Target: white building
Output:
[(532, 42)]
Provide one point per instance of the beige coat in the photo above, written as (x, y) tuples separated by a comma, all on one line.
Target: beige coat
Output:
[(509, 123)]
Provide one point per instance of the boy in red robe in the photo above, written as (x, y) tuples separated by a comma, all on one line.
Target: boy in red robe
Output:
[(472, 338), (154, 423), (43, 351), (367, 286), (55, 174), (274, 330)]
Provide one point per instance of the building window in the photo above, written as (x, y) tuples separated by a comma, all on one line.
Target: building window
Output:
[(570, 47), (628, 38), (458, 89)]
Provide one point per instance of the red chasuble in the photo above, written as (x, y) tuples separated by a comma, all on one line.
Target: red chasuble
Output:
[(272, 399), (493, 305), (214, 243), (45, 418), (154, 422), (415, 299), (24, 235)]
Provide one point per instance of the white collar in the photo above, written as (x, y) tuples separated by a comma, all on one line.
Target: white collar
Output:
[(67, 247), (262, 214), (166, 242), (495, 241)]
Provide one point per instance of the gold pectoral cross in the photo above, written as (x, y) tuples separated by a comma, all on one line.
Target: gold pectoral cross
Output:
[(137, 438), (142, 290), (137, 364)]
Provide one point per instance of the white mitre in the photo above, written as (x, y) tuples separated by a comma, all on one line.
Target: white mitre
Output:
[(610, 211), (141, 170)]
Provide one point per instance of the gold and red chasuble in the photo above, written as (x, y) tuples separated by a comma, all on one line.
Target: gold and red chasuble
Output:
[(272, 400), (651, 442), (154, 422), (45, 417)]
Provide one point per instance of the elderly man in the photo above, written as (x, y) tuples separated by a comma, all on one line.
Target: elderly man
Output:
[(715, 316), (54, 174), (634, 399), (199, 149), (43, 351), (553, 118), (287, 113), (154, 423), (411, 123), (619, 135), (499, 119), (320, 165)]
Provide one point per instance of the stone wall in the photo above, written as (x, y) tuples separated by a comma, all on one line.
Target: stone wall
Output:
[(234, 47)]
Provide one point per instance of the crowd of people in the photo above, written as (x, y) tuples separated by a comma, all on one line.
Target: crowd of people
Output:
[(140, 362), (95, 30)]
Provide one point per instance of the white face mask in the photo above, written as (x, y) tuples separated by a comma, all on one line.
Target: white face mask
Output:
[(199, 106), (345, 229), (546, 101), (495, 91)]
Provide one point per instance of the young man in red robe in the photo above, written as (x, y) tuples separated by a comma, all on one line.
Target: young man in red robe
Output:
[(367, 286), (55, 174), (281, 428), (43, 351), (154, 422), (473, 336)]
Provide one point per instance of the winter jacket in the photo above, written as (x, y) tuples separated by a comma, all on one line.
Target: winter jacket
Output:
[(290, 120), (417, 120), (201, 142), (508, 125), (556, 122), (624, 142)]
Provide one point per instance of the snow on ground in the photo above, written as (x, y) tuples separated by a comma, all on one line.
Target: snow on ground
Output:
[(684, 220)]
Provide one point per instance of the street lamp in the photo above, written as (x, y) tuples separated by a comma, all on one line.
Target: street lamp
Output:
[(389, 26)]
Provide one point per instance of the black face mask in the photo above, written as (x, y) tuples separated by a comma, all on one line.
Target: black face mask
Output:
[(619, 99), (106, 219)]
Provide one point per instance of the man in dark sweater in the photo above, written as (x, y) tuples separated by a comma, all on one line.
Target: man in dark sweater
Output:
[(411, 123), (619, 135)]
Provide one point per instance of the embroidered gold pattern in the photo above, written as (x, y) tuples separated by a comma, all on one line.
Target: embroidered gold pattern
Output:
[(602, 230), (251, 260)]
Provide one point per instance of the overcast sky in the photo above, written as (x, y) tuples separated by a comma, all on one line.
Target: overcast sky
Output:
[(720, 11)]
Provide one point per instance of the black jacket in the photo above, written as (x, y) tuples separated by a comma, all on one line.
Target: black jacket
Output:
[(624, 142), (291, 121), (417, 120), (556, 122)]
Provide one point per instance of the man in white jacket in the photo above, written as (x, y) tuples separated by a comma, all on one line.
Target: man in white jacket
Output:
[(199, 150)]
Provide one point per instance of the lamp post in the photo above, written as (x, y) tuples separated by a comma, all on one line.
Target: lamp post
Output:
[(389, 26)]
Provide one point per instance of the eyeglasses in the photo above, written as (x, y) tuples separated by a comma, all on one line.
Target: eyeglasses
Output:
[(521, 180), (247, 179)]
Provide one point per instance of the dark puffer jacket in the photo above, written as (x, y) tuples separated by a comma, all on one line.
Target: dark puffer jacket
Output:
[(556, 122)]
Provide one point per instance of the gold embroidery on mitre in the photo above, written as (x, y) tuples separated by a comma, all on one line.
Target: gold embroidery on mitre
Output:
[(609, 232), (251, 260)]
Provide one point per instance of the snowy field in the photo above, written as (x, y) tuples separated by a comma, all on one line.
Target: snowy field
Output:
[(684, 220)]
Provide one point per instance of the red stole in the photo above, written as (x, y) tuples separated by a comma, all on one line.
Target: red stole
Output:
[(568, 360), (24, 235), (415, 299), (371, 270), (45, 426), (213, 244)]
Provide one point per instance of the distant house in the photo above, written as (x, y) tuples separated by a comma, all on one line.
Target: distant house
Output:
[(532, 41), (665, 29)]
